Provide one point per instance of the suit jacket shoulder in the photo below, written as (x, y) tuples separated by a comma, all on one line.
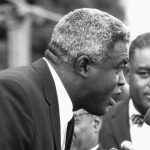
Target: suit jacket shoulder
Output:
[(115, 128), (29, 110)]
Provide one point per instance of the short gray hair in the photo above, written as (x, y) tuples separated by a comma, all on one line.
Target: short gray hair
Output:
[(86, 31), (139, 43)]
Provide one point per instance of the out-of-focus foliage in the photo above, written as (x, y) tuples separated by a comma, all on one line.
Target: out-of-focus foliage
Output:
[(42, 29), (113, 7)]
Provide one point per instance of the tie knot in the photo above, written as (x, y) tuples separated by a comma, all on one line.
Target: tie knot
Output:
[(137, 119)]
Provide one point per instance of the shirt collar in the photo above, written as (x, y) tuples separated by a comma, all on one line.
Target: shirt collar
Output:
[(132, 110), (63, 97), (64, 101), (95, 148)]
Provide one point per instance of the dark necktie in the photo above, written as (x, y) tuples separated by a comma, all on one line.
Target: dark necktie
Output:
[(137, 119), (69, 135)]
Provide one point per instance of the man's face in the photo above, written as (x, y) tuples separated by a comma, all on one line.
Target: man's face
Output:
[(105, 79), (123, 95), (139, 79), (84, 136)]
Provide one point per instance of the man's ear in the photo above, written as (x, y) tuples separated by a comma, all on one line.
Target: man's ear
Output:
[(82, 65), (98, 123)]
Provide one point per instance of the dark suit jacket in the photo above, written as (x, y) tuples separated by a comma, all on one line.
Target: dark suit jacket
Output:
[(115, 128), (29, 113)]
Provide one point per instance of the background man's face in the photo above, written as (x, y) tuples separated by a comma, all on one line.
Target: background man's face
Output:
[(139, 79), (104, 78)]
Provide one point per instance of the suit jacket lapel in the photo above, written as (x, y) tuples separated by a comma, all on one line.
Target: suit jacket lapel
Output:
[(120, 123), (50, 97)]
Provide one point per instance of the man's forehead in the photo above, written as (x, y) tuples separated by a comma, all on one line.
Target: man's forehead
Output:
[(117, 59), (119, 48), (119, 51), (122, 45)]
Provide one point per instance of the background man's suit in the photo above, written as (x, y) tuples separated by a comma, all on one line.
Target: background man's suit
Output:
[(115, 128), (29, 112)]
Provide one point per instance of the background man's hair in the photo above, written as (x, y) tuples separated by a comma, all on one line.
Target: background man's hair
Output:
[(140, 42), (86, 31)]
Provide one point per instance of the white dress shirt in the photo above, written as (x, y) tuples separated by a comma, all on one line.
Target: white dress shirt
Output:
[(65, 105), (95, 148), (140, 135)]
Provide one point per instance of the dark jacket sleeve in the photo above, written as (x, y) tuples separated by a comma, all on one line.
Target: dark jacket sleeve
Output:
[(16, 124), (106, 136), (115, 128)]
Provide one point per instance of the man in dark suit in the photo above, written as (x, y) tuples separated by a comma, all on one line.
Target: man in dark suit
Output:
[(115, 128), (124, 122), (81, 68)]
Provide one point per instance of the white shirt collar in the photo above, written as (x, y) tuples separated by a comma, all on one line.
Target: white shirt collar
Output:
[(132, 110), (95, 148), (64, 102), (138, 133)]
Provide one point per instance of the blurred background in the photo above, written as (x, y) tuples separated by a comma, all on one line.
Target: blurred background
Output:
[(26, 25)]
